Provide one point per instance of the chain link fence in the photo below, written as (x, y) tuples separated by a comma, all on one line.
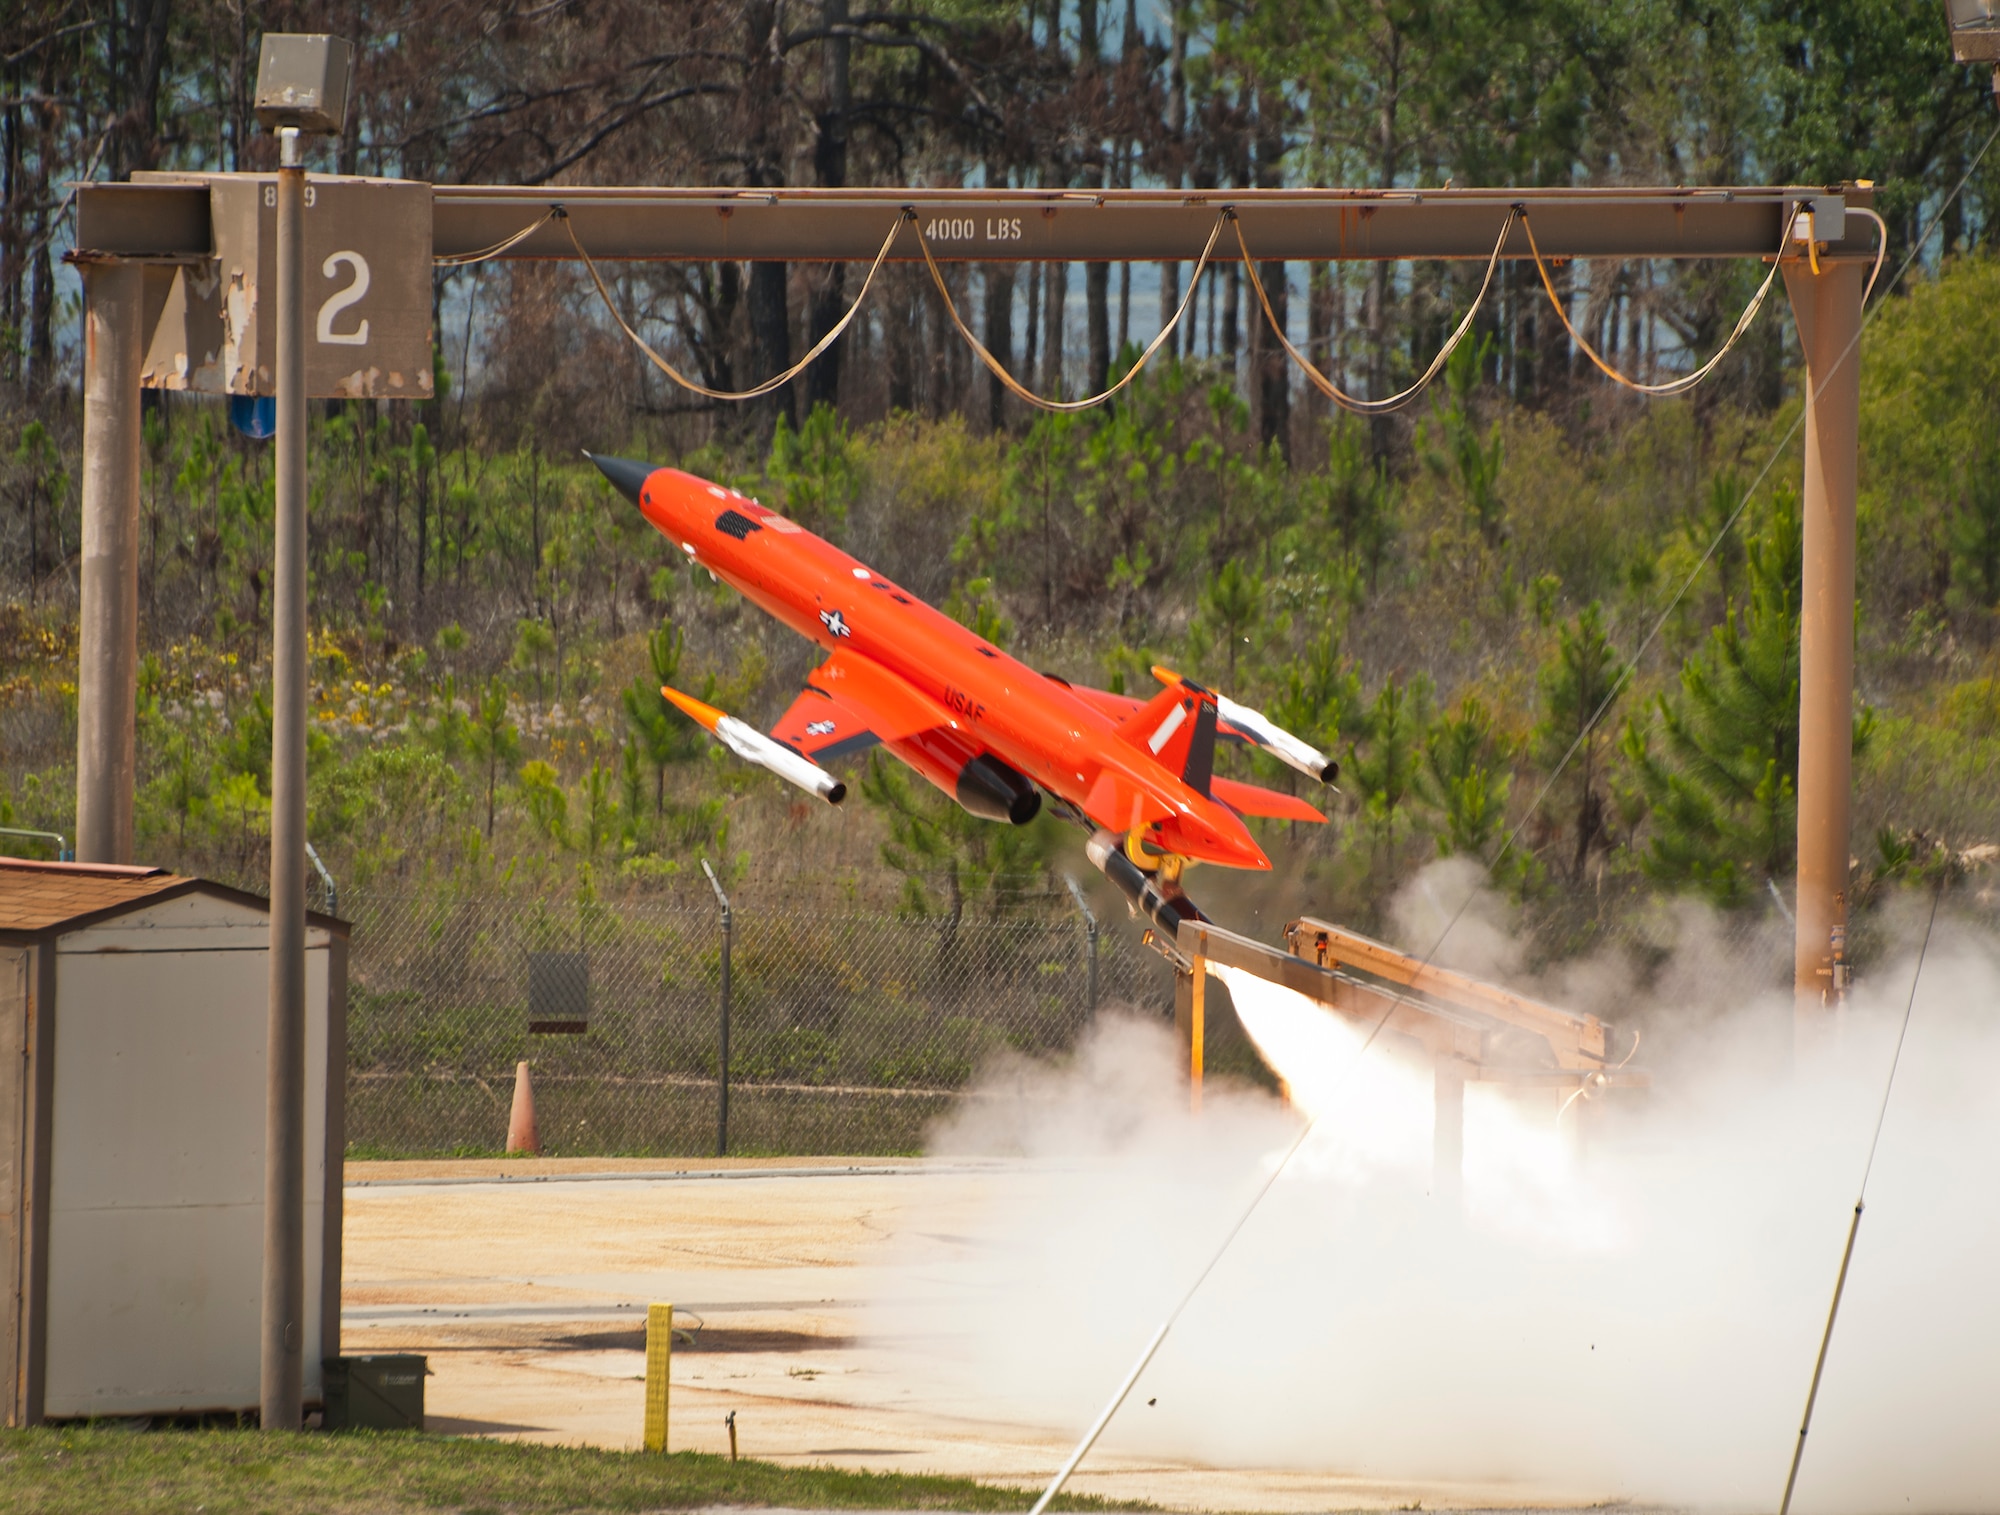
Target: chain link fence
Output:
[(849, 1032)]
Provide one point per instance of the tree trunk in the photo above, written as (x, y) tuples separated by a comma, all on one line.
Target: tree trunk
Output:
[(999, 337), (829, 283), (1274, 372), (42, 308), (1053, 300), (138, 59), (1388, 151), (1096, 275), (1033, 334), (770, 321), (1232, 292), (1319, 336), (1170, 273)]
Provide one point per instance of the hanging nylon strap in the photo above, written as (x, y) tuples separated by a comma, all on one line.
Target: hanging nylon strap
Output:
[(1334, 392), (777, 381), (466, 260), (1013, 385)]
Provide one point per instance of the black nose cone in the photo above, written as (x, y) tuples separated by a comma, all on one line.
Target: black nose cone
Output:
[(627, 477)]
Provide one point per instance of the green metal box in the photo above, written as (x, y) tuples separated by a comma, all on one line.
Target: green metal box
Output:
[(380, 1393)]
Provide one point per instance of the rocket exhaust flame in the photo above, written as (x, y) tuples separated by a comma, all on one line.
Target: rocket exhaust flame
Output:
[(750, 744)]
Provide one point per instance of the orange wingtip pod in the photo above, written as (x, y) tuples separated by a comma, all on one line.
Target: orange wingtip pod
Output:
[(695, 710), (1166, 675)]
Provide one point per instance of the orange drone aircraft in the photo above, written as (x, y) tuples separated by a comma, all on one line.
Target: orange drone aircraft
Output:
[(989, 731)]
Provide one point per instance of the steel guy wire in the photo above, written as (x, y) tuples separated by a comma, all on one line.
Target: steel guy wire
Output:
[(1860, 1203)]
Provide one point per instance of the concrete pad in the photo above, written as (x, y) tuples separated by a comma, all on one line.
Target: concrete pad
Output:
[(527, 1287)]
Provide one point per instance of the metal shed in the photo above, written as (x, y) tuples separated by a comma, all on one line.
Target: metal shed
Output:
[(132, 1032)]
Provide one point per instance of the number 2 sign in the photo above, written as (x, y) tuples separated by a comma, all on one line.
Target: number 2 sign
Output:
[(368, 285), (353, 294)]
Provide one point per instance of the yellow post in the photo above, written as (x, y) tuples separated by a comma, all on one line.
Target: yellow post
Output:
[(1196, 1034), (659, 1358)]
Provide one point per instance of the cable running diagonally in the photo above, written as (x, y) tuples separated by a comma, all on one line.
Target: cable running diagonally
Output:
[(1333, 391), (1021, 391), (1860, 1204), (776, 381)]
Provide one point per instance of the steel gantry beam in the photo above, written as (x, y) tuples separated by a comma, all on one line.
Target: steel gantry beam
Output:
[(167, 217), (1823, 235)]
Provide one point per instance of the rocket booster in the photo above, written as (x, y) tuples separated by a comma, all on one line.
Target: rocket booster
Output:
[(750, 744), (1106, 851)]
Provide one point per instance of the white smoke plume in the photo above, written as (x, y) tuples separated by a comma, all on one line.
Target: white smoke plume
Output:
[(1632, 1319)]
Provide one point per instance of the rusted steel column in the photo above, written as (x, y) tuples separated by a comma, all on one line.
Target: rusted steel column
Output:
[(1448, 1130), (107, 674), (1827, 306), (283, 1361)]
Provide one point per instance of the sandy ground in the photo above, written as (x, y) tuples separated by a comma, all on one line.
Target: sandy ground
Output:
[(526, 1283)]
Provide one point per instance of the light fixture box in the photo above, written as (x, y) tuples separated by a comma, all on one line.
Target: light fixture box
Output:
[(1975, 30), (302, 81)]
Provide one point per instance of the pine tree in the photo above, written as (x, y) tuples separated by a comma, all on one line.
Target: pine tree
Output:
[(1722, 790), (1232, 608), (1975, 543), (1578, 684), (1463, 779), (1383, 763), (1465, 453), (665, 735), (494, 740)]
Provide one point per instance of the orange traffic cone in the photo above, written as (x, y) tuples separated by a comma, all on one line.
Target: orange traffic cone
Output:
[(521, 1136)]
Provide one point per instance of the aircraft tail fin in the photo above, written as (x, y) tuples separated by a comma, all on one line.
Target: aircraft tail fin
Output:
[(1177, 726)]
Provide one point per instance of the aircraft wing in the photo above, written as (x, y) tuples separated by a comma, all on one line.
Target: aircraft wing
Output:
[(1252, 799), (848, 705)]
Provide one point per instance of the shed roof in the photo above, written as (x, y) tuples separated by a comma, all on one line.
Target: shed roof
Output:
[(38, 897)]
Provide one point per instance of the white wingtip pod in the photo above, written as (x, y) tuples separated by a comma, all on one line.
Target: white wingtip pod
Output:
[(750, 744), (1277, 741)]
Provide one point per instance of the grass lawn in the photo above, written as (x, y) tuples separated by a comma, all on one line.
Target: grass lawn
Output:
[(98, 1469)]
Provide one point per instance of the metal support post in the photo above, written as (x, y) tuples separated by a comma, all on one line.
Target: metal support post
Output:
[(1090, 944), (108, 637), (1197, 1032), (283, 1359), (325, 878), (722, 1048), (1090, 987), (1827, 306), (1448, 1130)]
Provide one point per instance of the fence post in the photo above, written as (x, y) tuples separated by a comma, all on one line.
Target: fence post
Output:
[(1090, 936), (722, 1063)]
